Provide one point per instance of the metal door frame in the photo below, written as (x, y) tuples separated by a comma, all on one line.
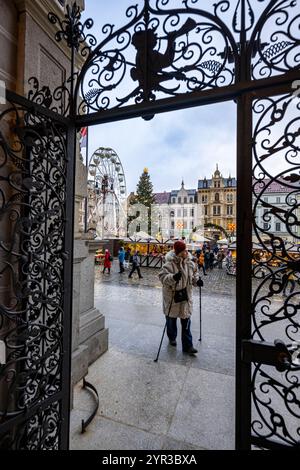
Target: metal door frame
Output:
[(243, 87)]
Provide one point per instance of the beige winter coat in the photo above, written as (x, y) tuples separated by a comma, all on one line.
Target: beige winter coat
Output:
[(189, 278)]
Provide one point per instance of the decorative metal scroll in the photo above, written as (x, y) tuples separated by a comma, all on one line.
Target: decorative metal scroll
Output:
[(32, 262), (276, 264), (176, 47), (275, 41), (160, 52)]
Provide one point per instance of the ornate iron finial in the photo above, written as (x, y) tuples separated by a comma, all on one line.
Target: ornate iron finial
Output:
[(71, 29)]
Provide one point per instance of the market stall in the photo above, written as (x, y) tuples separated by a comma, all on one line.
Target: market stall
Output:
[(152, 251)]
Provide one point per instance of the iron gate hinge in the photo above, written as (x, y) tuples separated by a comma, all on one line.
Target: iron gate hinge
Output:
[(274, 354)]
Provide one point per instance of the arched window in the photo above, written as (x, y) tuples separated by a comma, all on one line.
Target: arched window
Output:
[(179, 200), (185, 200)]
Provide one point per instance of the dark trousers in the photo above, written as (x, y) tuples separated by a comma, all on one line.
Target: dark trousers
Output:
[(105, 269), (121, 266), (292, 288), (135, 267), (202, 266), (186, 335)]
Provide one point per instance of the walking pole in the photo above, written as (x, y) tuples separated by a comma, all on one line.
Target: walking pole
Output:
[(200, 314), (158, 352)]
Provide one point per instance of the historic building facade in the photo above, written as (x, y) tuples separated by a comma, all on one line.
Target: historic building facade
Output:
[(218, 198), (177, 212), (270, 210)]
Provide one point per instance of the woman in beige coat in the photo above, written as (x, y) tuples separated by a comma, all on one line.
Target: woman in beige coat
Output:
[(177, 273)]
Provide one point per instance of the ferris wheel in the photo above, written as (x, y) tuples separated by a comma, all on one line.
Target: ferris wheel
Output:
[(106, 194)]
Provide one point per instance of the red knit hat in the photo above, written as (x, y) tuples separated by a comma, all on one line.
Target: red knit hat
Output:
[(179, 247)]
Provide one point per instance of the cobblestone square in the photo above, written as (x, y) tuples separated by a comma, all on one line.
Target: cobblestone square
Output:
[(181, 402)]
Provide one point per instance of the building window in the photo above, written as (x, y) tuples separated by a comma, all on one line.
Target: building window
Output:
[(179, 200), (192, 225), (278, 200), (278, 227), (191, 200), (172, 214), (204, 199), (172, 224), (266, 226), (216, 210), (185, 200), (192, 212), (217, 197), (174, 200), (229, 198), (229, 210), (184, 212), (205, 210), (265, 199), (178, 212)]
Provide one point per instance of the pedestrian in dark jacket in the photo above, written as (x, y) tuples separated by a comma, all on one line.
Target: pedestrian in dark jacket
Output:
[(136, 265)]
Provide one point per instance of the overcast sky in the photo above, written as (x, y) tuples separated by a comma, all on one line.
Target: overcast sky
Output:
[(182, 144)]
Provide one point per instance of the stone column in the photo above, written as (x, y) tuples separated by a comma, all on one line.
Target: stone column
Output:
[(90, 337)]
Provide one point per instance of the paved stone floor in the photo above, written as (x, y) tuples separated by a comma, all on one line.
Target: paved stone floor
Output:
[(179, 403)]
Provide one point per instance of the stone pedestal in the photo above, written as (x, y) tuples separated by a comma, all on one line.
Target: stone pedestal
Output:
[(89, 335)]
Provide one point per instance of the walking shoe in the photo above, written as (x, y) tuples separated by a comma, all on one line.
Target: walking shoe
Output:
[(190, 350), (173, 342), (141, 277)]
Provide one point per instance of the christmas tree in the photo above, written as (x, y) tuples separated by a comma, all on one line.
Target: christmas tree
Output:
[(144, 190), (144, 194)]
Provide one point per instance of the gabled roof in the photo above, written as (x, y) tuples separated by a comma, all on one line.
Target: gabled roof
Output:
[(162, 198)]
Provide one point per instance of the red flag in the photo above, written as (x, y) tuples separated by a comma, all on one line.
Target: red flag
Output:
[(83, 134)]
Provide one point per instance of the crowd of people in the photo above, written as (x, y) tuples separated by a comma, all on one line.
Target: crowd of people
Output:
[(206, 258), (181, 270)]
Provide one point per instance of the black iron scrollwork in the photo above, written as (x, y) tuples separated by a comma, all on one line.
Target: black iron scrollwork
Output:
[(163, 51), (32, 253), (276, 263), (72, 30), (276, 39), (57, 100)]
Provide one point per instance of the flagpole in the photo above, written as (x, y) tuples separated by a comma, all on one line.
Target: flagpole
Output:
[(87, 173)]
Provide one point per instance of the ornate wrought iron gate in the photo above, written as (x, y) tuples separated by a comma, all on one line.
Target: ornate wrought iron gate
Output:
[(171, 54), (36, 174)]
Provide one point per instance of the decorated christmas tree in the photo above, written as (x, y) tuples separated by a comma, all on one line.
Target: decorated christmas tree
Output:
[(144, 190), (144, 194)]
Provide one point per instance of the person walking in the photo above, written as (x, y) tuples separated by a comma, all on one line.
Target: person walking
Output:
[(289, 279), (121, 256), (107, 261), (220, 257), (127, 257), (177, 276), (201, 263), (135, 265), (206, 260), (211, 260)]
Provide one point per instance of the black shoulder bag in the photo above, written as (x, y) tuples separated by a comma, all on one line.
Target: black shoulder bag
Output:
[(180, 295)]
